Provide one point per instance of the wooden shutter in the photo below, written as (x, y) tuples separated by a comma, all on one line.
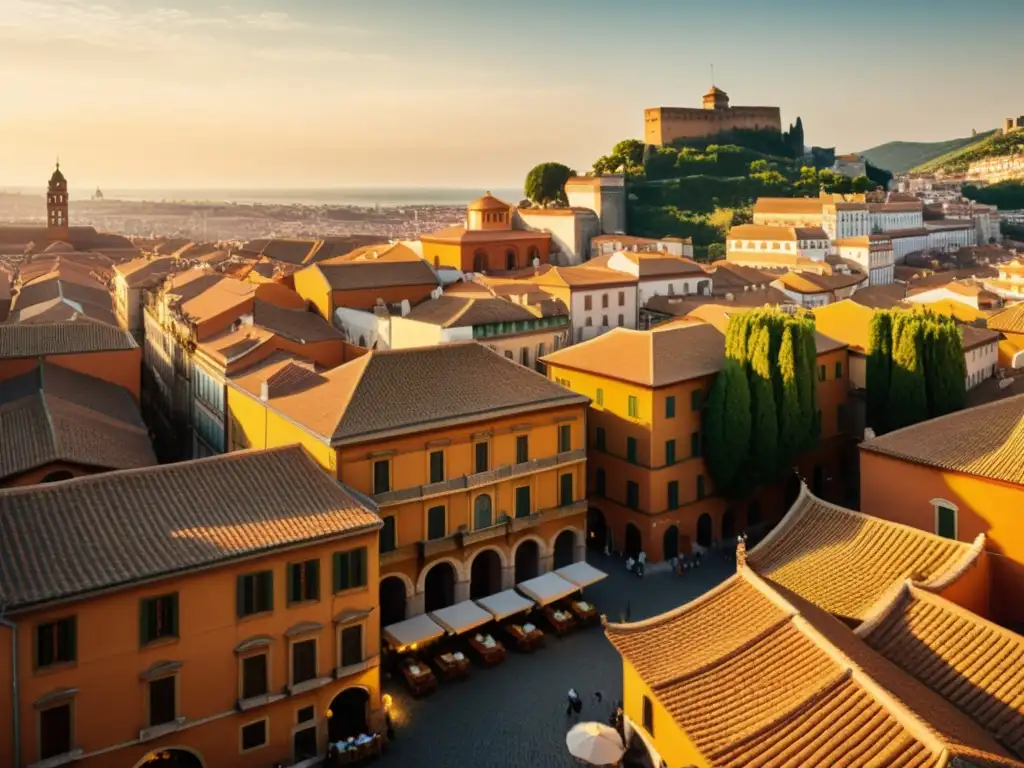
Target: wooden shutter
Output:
[(313, 578), (337, 572), (267, 580), (289, 571), (174, 614), (360, 567), (240, 596), (144, 622)]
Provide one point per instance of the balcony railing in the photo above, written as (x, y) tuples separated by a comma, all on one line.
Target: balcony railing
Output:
[(479, 479)]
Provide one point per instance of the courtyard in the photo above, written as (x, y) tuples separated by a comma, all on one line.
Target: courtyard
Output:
[(514, 714)]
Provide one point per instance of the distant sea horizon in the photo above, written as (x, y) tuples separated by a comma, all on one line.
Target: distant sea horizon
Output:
[(358, 196)]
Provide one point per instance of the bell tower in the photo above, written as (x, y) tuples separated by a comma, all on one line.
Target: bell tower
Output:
[(57, 207)]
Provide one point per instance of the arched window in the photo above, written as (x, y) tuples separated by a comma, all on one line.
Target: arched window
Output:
[(946, 514), (511, 261), (483, 516)]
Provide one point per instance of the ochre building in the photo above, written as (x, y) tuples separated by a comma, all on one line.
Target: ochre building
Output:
[(663, 125)]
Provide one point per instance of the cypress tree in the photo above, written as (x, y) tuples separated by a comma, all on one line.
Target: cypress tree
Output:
[(879, 370), (791, 436), (807, 386), (953, 373), (764, 416), (933, 356), (908, 400), (727, 427)]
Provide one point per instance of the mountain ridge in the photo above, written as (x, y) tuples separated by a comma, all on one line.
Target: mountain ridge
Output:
[(903, 156)]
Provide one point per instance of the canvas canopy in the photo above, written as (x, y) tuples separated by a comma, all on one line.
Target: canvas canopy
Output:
[(547, 588), (505, 604), (418, 629), (461, 617), (582, 574)]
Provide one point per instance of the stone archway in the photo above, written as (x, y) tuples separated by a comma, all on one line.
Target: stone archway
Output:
[(349, 714), (670, 543), (480, 261), (485, 574), (565, 548), (527, 560), (634, 540), (597, 529), (439, 586), (394, 592), (705, 532), (511, 259), (171, 757)]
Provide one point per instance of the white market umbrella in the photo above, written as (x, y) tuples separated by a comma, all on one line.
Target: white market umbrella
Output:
[(595, 743)]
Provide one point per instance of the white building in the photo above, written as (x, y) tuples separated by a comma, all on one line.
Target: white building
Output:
[(1010, 283), (842, 219), (604, 245), (658, 274), (841, 216), (571, 231), (812, 290), (970, 293), (992, 170), (907, 241), (872, 254), (902, 215), (950, 235), (773, 247), (981, 354), (604, 195)]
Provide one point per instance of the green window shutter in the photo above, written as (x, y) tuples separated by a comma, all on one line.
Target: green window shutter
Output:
[(267, 578), (143, 622), (289, 571), (314, 579), (174, 614), (240, 596), (361, 560), (337, 571), (72, 637)]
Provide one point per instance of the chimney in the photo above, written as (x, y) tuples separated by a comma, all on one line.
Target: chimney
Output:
[(265, 391), (741, 554)]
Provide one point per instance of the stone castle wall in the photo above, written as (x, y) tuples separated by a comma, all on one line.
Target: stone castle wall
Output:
[(663, 125)]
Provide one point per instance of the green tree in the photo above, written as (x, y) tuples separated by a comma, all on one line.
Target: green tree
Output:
[(759, 166), (790, 422), (716, 251), (764, 438), (879, 370), (545, 183), (631, 151), (908, 399), (862, 184), (727, 427), (807, 387)]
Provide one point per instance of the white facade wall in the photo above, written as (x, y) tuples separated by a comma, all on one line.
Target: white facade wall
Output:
[(840, 224), (364, 329), (407, 333), (982, 363), (588, 323), (945, 239), (805, 299), (816, 250), (886, 221), (943, 294), (676, 286), (570, 234), (901, 246)]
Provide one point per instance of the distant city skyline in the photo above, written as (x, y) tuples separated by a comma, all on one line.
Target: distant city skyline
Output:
[(166, 94)]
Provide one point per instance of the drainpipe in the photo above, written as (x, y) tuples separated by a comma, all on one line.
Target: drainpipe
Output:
[(15, 705)]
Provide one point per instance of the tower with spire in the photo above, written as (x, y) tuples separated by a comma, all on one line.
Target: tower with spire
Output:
[(57, 227)]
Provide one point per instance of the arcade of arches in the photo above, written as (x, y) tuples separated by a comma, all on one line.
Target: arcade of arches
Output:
[(170, 758)]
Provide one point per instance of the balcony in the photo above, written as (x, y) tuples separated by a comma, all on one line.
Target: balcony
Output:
[(466, 538), (438, 546), (399, 554), (479, 479)]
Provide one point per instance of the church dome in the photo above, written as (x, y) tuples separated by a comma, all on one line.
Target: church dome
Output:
[(57, 177), (488, 203)]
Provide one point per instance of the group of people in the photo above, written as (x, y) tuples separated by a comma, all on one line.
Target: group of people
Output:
[(682, 563), (638, 564)]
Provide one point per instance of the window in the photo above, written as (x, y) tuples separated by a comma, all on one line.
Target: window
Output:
[(305, 714), (631, 450), (481, 458), (821, 373), (350, 569), (351, 645), (304, 581), (255, 593), (648, 716), (700, 487), (588, 322), (523, 501), (622, 319), (670, 451), (163, 700), (381, 476), (55, 731), (696, 399), (436, 466), (254, 676), (254, 735), (303, 661), (604, 301), (632, 495), (55, 642), (565, 495), (695, 444), (634, 407), (483, 516), (508, 354), (159, 618), (600, 396), (673, 494), (304, 745), (622, 298), (945, 518), (388, 537), (599, 482), (588, 302), (839, 369), (522, 449), (436, 525), (604, 321), (600, 438), (565, 438), (670, 407)]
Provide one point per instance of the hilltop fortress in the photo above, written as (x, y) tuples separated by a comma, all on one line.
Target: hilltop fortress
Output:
[(663, 125)]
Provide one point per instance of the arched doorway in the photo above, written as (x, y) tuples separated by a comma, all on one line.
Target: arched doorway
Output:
[(597, 529), (392, 600), (634, 541), (704, 530), (728, 525), (670, 542), (483, 513), (348, 714), (439, 587), (170, 758), (60, 474), (511, 261), (485, 574), (565, 549), (533, 254), (527, 561), (480, 261)]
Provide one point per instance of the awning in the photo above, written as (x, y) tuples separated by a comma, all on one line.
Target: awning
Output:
[(547, 588), (461, 617), (505, 604), (582, 574), (418, 629)]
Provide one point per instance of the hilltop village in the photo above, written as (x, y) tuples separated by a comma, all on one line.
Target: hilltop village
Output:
[(255, 496)]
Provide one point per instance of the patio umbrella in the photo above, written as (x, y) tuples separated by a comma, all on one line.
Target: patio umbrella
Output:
[(595, 743)]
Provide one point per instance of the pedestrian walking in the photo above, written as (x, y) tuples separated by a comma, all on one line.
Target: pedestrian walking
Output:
[(573, 703)]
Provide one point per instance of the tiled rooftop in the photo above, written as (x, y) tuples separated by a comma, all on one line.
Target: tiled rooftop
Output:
[(362, 275), (36, 339), (71, 538)]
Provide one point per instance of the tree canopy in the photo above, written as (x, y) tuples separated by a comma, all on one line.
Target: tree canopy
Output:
[(545, 183)]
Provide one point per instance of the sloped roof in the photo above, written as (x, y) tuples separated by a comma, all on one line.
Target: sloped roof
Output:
[(656, 358), (773, 232), (652, 263), (299, 325), (756, 676), (986, 441), (846, 321), (883, 296), (390, 392), (67, 539), (844, 561), (464, 311), (789, 205), (146, 272), (976, 665), (1009, 320), (33, 340), (808, 282), (362, 275)]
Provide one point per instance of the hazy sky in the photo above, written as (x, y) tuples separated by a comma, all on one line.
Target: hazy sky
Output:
[(194, 93)]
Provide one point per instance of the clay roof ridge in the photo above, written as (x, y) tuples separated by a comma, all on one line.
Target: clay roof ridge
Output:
[(957, 569), (893, 598)]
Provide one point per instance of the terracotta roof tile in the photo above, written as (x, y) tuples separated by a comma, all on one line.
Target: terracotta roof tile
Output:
[(299, 325), (666, 355), (844, 561), (986, 441), (451, 311), (67, 539), (33, 340), (789, 205), (362, 275), (974, 664), (652, 264), (808, 282), (1009, 320), (847, 321)]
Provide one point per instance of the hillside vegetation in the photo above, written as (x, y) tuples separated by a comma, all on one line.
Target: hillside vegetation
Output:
[(901, 156), (994, 145)]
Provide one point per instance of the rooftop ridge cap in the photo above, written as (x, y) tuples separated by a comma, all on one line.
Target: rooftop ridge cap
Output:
[(883, 608), (870, 444), (917, 592), (957, 569), (653, 621)]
